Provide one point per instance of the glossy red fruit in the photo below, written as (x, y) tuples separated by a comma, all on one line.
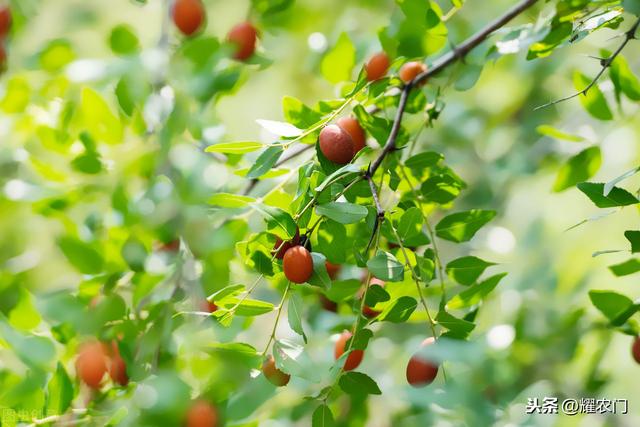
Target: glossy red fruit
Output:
[(244, 35), (635, 350), (202, 414), (377, 66), (117, 366), (5, 21), (189, 16), (297, 264), (355, 357), (336, 144), (282, 248), (355, 131), (91, 364), (420, 371), (332, 269), (410, 70), (327, 304), (273, 374)]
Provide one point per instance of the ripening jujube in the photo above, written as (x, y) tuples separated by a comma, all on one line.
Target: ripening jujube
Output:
[(354, 358), (117, 366), (189, 16), (420, 371), (377, 66), (91, 364), (297, 264), (355, 131), (336, 144), (202, 414), (635, 349), (273, 374), (5, 21), (410, 70), (281, 247), (332, 269), (244, 36)]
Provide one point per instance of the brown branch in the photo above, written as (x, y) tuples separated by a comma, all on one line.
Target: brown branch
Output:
[(458, 53), (604, 62)]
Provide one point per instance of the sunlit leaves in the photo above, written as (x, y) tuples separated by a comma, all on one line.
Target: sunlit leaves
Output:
[(616, 307), (593, 101), (462, 226), (623, 78), (35, 351), (247, 307), (385, 266), (56, 55), (337, 64), (441, 188), (474, 294), (227, 200), (265, 162), (234, 147), (16, 96), (552, 132), (59, 392), (342, 212), (410, 224), (322, 417), (399, 310), (466, 270), (83, 256), (123, 40), (343, 289), (100, 121), (292, 359), (269, 7), (559, 32), (278, 220), (616, 197), (294, 314), (578, 168), (298, 114), (358, 383), (458, 328), (319, 277)]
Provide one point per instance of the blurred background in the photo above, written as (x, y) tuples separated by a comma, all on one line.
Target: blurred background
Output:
[(538, 335)]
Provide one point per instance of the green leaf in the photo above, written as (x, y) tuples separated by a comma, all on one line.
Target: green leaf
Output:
[(624, 269), (123, 40), (228, 200), (320, 277), (56, 55), (410, 223), (399, 310), (578, 168), (24, 315), (265, 161), (342, 212), (292, 359), (386, 267), (337, 64), (559, 32), (284, 129), (623, 78), (248, 307), (294, 314), (343, 289), (270, 7), (475, 293), (16, 95), (424, 160), (277, 219), (376, 294), (468, 76), (35, 351), (466, 270), (611, 184), (361, 340), (234, 147), (632, 6), (322, 417), (99, 120), (298, 114), (616, 307), (134, 253), (458, 328), (594, 101), (462, 226), (616, 197), (339, 173), (88, 163), (552, 132), (59, 392), (357, 383), (81, 255), (633, 236), (441, 188)]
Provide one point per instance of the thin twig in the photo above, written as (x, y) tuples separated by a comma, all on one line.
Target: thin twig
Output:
[(604, 62), (275, 325)]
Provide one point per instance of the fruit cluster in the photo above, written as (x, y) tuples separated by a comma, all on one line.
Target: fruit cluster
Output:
[(190, 17)]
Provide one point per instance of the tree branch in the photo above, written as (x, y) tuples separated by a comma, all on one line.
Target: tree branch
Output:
[(458, 53), (605, 62)]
